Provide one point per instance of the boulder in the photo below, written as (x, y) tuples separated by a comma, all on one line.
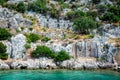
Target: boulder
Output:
[(18, 46), (3, 65)]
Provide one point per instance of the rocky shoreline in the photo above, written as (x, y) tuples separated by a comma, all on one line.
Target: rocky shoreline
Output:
[(102, 43), (49, 64)]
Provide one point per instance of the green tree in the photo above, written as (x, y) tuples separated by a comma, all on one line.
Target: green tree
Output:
[(62, 55), (3, 54), (4, 34), (84, 25)]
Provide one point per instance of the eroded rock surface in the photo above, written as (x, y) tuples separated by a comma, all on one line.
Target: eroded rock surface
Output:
[(41, 63), (3, 65), (16, 47)]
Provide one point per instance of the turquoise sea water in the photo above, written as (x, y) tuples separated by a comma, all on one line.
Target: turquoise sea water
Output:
[(58, 75)]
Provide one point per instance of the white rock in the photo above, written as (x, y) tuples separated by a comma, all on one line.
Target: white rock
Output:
[(3, 65), (18, 46)]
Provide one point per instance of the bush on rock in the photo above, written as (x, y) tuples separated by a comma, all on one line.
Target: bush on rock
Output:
[(110, 17), (3, 2), (4, 34), (61, 56), (43, 51), (32, 37), (3, 54), (21, 7)]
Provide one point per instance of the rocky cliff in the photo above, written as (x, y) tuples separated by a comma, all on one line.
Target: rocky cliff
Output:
[(103, 49)]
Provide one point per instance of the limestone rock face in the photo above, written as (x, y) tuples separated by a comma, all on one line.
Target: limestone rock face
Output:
[(86, 64), (3, 65), (16, 48), (10, 19), (100, 46), (59, 46), (117, 58), (18, 64), (42, 63)]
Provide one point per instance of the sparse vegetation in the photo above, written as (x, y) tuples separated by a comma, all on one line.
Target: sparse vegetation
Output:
[(30, 28), (45, 39), (27, 46), (3, 54), (61, 56), (4, 34), (75, 14), (32, 37)]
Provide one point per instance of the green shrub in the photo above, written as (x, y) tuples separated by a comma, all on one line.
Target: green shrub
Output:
[(93, 14), (22, 28), (54, 13), (4, 34), (2, 2), (91, 36), (30, 28), (12, 6), (32, 37), (2, 48), (21, 7), (75, 14), (84, 25), (114, 9), (96, 1), (45, 39), (27, 46), (38, 6), (3, 54), (102, 8), (62, 55), (110, 17), (43, 51)]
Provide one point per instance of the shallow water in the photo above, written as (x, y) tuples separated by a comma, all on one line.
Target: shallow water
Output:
[(58, 75)]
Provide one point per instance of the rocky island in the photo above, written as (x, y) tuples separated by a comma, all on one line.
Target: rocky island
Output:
[(60, 34)]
